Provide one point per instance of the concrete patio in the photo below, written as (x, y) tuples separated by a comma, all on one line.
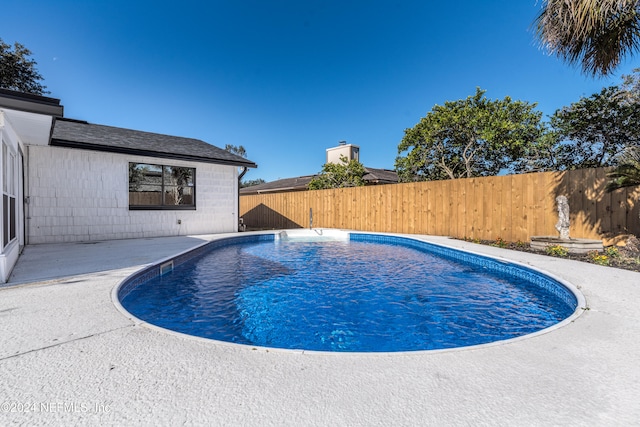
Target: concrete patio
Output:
[(70, 357)]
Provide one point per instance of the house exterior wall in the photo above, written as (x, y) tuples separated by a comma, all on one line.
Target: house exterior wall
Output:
[(79, 195)]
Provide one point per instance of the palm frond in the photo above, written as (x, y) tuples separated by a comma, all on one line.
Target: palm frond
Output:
[(596, 34), (627, 173)]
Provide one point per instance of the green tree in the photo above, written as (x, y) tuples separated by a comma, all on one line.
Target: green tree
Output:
[(597, 34), (339, 175), (466, 138), (627, 173), (251, 182), (237, 150), (631, 86), (593, 131), (18, 71), (541, 155)]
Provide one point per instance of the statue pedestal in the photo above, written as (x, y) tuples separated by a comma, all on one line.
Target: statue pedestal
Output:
[(574, 246)]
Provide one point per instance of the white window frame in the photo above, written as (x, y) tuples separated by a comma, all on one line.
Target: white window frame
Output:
[(9, 229)]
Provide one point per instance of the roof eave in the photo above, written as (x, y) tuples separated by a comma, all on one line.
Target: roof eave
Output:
[(122, 150), (31, 103)]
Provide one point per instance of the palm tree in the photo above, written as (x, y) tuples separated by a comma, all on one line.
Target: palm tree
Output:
[(594, 33), (627, 173)]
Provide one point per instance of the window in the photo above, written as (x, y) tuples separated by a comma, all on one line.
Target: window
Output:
[(9, 208), (161, 187)]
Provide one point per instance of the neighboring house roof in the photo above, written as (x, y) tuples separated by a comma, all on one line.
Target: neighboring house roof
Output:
[(372, 177), (380, 176), (80, 134), (299, 183)]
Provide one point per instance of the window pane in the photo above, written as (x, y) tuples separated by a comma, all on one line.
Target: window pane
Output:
[(5, 168), (145, 184), (148, 195), (11, 189), (12, 216), (142, 174), (178, 195), (174, 175), (5, 220)]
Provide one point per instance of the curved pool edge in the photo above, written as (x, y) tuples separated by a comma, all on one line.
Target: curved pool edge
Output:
[(581, 302)]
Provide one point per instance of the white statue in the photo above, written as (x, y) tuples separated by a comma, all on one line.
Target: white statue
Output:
[(563, 217)]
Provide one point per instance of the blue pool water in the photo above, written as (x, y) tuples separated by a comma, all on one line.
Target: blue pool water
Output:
[(349, 296)]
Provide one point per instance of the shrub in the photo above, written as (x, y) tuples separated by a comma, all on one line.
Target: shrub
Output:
[(598, 258), (500, 243), (557, 251), (612, 252)]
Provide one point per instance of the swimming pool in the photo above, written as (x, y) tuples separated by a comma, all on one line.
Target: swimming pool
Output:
[(345, 292)]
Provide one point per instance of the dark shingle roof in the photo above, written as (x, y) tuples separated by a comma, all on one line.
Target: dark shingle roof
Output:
[(373, 176), (79, 134), (287, 184), (380, 176)]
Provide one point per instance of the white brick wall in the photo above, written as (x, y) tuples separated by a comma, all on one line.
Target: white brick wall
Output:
[(80, 195)]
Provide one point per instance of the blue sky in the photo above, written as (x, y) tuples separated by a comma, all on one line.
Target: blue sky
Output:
[(288, 79)]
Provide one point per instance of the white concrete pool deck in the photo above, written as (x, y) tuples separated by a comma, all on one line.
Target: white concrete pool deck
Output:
[(69, 357)]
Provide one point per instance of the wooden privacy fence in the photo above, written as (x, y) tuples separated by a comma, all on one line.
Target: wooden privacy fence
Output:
[(513, 207)]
